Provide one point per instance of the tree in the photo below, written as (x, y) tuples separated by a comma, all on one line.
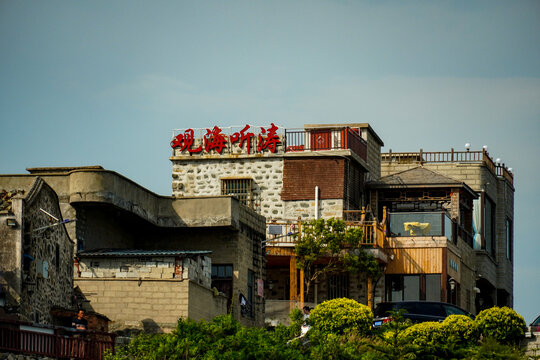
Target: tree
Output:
[(330, 240)]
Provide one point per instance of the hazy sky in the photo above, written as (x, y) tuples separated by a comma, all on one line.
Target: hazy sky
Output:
[(106, 82)]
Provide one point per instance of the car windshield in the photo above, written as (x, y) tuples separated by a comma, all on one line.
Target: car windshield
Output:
[(536, 321)]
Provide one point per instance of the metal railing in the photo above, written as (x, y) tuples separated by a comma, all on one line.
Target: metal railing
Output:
[(298, 140), (80, 345), (421, 157)]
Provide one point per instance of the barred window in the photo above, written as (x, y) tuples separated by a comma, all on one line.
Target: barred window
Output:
[(240, 188), (338, 286)]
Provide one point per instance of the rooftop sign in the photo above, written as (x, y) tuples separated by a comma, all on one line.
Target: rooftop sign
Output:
[(266, 139)]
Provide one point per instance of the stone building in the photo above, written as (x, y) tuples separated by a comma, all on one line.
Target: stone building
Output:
[(36, 266), (337, 170), (196, 244)]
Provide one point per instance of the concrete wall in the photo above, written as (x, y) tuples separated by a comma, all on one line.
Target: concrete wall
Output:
[(151, 304)]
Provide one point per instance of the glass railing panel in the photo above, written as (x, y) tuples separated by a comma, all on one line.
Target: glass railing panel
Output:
[(417, 224)]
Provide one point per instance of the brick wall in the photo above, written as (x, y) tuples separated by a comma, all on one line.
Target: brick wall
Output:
[(300, 176), (153, 305)]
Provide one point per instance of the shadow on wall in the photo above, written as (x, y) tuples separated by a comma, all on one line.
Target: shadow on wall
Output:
[(150, 326)]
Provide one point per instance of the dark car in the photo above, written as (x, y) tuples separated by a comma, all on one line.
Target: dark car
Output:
[(535, 325), (417, 311)]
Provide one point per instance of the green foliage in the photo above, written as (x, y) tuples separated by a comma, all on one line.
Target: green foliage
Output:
[(424, 334), (502, 324), (222, 338), (459, 329), (338, 316), (332, 240), (490, 349)]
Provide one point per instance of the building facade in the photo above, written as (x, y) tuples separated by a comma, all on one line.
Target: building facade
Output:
[(337, 170), (183, 241)]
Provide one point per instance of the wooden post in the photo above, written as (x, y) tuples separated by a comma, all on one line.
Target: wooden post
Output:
[(302, 286), (370, 292), (293, 288)]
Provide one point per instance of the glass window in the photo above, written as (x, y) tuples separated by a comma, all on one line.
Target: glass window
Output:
[(431, 309), (452, 310), (509, 244), (433, 287), (411, 287), (489, 226)]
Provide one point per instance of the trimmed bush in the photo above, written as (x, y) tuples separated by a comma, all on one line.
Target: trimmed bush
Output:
[(424, 334), (502, 324), (459, 329), (341, 315)]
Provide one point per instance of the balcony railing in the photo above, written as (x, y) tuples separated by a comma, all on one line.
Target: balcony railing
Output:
[(298, 140), (285, 234), (53, 343), (422, 157)]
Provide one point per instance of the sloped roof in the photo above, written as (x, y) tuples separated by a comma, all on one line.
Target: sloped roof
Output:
[(137, 252), (419, 177)]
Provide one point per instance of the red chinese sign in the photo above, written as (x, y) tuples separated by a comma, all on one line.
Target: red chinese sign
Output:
[(214, 139)]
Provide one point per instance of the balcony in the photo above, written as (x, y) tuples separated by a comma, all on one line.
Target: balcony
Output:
[(422, 157), (284, 233), (299, 140)]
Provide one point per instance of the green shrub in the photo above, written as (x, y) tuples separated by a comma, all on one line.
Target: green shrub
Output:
[(424, 334), (502, 324), (341, 315), (459, 329)]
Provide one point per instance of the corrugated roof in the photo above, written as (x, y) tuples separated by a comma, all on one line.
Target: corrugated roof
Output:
[(138, 252)]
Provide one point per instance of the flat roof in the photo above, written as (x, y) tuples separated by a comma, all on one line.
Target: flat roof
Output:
[(139, 252)]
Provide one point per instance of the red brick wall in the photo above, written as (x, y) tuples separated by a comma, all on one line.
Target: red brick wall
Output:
[(300, 176)]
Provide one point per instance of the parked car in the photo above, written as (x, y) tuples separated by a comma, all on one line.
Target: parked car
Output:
[(535, 325), (417, 311)]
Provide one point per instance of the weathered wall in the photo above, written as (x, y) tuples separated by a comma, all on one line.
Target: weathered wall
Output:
[(49, 277), (195, 268), (203, 177), (150, 304), (11, 252)]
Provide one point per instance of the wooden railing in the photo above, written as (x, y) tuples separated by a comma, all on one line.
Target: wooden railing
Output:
[(83, 345), (421, 157), (372, 233)]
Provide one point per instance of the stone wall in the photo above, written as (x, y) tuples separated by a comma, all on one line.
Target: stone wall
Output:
[(201, 177), (47, 261)]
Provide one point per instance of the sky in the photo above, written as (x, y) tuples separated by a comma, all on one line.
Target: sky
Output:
[(107, 82)]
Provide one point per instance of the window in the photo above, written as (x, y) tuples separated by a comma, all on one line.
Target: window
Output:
[(338, 286), (250, 286), (222, 278), (240, 188), (489, 225), (413, 287), (509, 245), (433, 287)]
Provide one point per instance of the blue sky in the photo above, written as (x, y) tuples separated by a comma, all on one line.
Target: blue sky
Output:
[(106, 82)]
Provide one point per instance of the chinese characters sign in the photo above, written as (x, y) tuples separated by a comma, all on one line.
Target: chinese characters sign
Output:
[(215, 139)]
